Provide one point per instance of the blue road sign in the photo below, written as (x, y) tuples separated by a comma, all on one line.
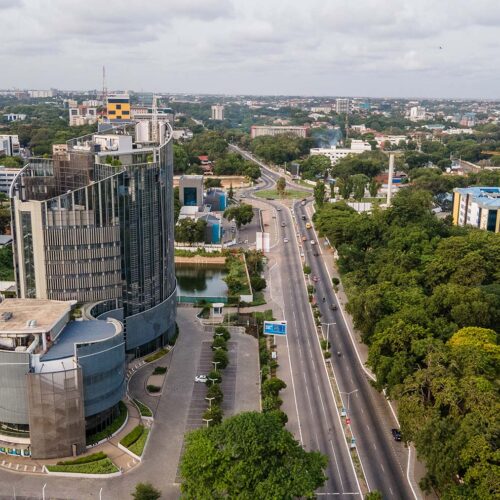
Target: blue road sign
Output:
[(274, 327)]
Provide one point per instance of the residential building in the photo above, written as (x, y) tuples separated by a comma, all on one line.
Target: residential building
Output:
[(259, 130), (14, 117), (191, 190), (95, 225), (217, 112), (417, 113), (82, 115), (321, 109), (342, 105), (118, 108), (393, 140), (62, 380), (9, 145), (335, 153), (7, 175), (41, 94), (59, 149), (478, 207)]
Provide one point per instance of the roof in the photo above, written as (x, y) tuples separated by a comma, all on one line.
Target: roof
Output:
[(7, 286), (482, 195), (79, 332), (45, 312), (5, 239)]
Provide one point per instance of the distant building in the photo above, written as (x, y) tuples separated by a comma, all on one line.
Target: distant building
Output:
[(335, 154), (260, 130), (342, 105), (321, 109), (417, 113), (14, 117), (118, 107), (6, 177), (191, 190), (82, 115), (478, 207), (394, 140), (40, 94), (59, 149), (9, 145), (183, 134), (217, 112)]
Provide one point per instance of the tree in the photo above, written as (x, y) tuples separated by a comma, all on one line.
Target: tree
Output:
[(212, 182), (220, 357), (213, 414), (146, 491), (281, 186), (319, 193), (190, 231), (345, 187), (373, 187), (230, 192), (315, 166), (241, 214), (359, 182), (250, 455), (374, 495)]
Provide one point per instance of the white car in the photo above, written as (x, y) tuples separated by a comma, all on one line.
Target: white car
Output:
[(285, 240), (200, 378), (313, 242), (279, 209)]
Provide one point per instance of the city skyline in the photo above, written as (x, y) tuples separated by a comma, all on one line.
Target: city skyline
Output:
[(383, 48)]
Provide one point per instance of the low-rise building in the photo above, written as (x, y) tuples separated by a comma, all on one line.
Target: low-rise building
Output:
[(478, 207), (7, 175), (260, 130), (9, 145), (335, 153), (82, 115), (14, 117), (191, 190)]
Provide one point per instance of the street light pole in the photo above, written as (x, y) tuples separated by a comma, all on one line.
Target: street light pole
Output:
[(328, 333), (100, 494), (210, 401), (348, 394), (207, 420), (215, 363), (43, 491)]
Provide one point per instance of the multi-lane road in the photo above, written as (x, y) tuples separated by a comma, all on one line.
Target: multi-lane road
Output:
[(383, 460)]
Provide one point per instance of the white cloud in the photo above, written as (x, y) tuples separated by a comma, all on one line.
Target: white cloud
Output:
[(367, 47)]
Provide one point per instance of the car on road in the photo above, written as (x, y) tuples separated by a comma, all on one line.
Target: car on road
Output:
[(242, 196), (283, 224), (316, 254), (303, 202), (333, 307), (315, 278), (396, 434), (308, 225), (303, 217), (279, 209), (304, 238), (313, 242), (200, 378), (285, 240)]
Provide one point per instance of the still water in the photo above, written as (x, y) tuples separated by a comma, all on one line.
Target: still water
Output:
[(200, 281)]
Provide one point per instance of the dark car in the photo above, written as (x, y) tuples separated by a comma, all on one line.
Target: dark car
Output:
[(396, 434), (303, 217), (316, 254), (333, 307)]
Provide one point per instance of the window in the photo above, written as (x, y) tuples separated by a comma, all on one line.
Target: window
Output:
[(111, 112), (118, 106), (125, 112)]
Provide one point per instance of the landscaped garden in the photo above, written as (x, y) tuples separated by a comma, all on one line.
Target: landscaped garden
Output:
[(144, 410), (97, 463), (136, 439), (108, 431)]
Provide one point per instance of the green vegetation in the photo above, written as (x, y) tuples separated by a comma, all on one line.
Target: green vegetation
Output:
[(249, 454), (6, 264), (274, 194), (132, 436), (160, 370), (157, 355), (146, 491), (153, 388), (236, 277), (222, 331), (108, 431), (281, 187), (319, 193), (281, 148), (214, 391), (314, 167), (97, 463), (241, 214), (190, 231), (426, 297), (144, 410), (138, 446)]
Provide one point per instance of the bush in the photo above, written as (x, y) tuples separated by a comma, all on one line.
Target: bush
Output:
[(325, 345), (138, 446), (145, 491), (103, 466), (307, 269), (144, 410), (214, 391), (327, 354), (221, 358), (214, 413), (273, 364), (85, 460), (310, 289), (282, 416), (335, 281), (264, 373), (160, 370), (258, 283), (271, 403), (224, 331), (214, 375), (156, 355), (132, 436), (111, 428), (153, 388), (219, 343), (272, 387)]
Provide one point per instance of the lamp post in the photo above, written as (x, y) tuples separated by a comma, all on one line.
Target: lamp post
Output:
[(100, 494), (213, 380), (43, 491), (328, 333), (207, 420), (215, 363), (210, 401), (348, 394)]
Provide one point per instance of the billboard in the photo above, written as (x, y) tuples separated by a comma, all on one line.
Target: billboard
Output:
[(275, 328)]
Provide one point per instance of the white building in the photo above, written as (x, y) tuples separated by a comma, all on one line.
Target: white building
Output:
[(394, 140), (9, 145), (40, 94), (335, 154), (14, 117), (417, 113), (183, 134), (258, 130), (82, 115), (342, 105), (6, 177), (217, 112), (321, 109)]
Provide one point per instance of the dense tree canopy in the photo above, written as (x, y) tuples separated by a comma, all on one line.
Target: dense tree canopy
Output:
[(426, 297), (281, 148), (190, 231), (241, 214), (248, 456)]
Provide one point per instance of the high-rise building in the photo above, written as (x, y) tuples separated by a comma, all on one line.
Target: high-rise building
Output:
[(95, 225), (342, 105), (118, 108), (217, 112)]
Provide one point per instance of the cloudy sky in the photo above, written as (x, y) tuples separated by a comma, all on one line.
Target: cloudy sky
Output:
[(385, 48)]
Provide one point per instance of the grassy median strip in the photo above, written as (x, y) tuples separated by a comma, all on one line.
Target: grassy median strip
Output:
[(144, 410), (97, 463), (135, 440)]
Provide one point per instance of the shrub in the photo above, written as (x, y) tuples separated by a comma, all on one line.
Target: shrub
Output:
[(327, 354), (153, 388), (325, 345), (156, 355), (273, 364), (144, 410), (282, 416), (214, 391), (215, 376), (145, 491), (310, 289), (271, 403), (307, 269), (160, 370), (219, 343), (335, 281), (258, 283), (103, 466), (222, 330), (85, 460), (272, 387), (132, 436), (214, 413), (221, 358), (138, 446), (264, 372)]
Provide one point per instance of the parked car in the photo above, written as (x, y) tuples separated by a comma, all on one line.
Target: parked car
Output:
[(396, 434), (316, 254), (200, 378), (279, 209), (315, 279)]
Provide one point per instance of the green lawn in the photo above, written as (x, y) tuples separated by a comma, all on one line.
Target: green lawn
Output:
[(289, 194), (135, 440), (144, 409)]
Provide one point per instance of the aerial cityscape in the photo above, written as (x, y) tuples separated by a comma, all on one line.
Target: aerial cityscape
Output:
[(249, 250)]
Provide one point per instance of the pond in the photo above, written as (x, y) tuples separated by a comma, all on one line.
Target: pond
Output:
[(201, 282)]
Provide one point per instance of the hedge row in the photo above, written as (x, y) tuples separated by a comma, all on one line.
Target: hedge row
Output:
[(132, 436)]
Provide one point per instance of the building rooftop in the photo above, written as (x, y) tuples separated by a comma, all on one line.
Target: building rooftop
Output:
[(484, 196), (45, 313), (79, 332)]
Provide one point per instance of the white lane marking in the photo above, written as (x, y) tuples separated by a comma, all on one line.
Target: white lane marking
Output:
[(337, 464)]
